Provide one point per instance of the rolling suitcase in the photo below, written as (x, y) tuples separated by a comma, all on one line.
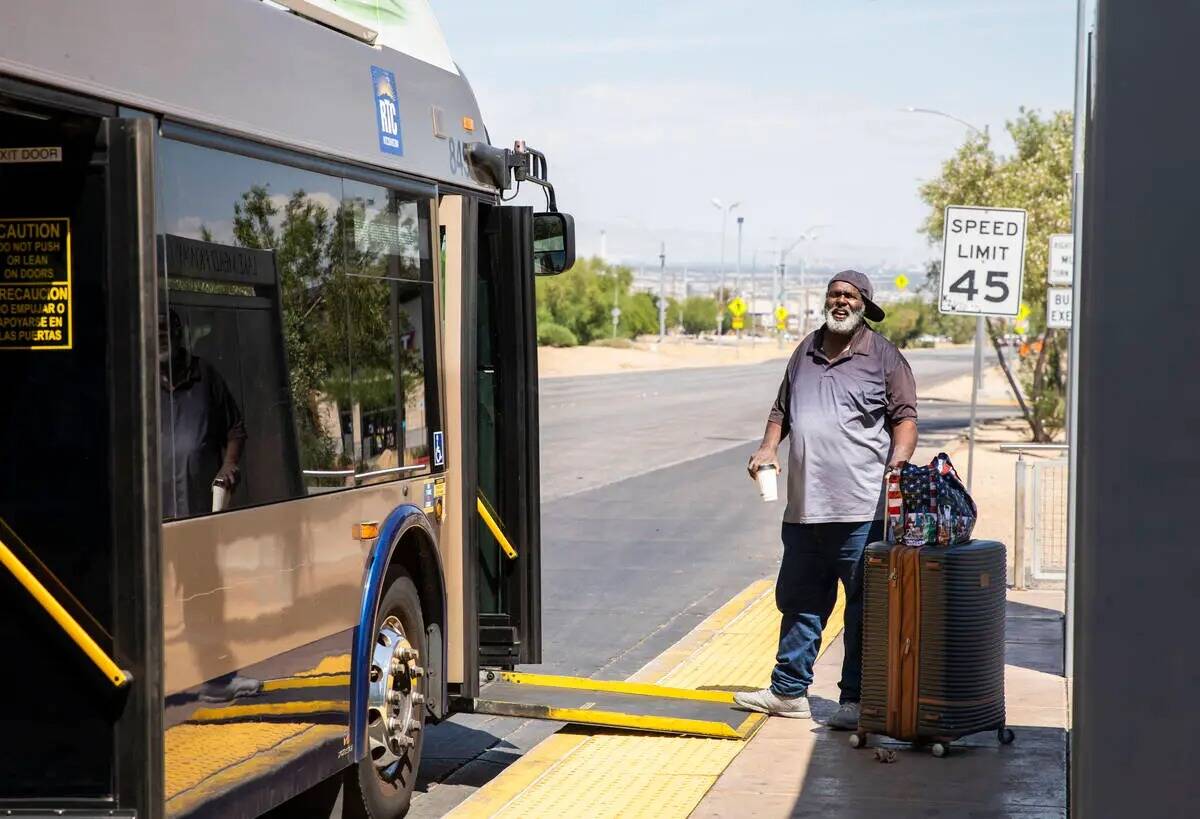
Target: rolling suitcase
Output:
[(933, 643)]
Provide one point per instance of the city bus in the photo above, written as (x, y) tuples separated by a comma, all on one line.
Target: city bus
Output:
[(270, 491), (266, 336)]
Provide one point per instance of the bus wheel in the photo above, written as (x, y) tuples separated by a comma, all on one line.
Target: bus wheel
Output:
[(382, 782)]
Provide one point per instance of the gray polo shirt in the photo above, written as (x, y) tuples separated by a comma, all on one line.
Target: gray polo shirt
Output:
[(839, 415)]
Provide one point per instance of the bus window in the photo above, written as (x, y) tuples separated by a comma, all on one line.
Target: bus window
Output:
[(393, 370), (303, 355), (252, 261)]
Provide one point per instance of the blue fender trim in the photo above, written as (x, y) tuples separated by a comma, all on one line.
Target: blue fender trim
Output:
[(401, 519)]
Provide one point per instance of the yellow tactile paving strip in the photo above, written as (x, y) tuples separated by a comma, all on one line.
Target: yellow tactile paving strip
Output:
[(602, 774)]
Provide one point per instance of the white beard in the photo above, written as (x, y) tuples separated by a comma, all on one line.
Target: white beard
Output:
[(847, 325)]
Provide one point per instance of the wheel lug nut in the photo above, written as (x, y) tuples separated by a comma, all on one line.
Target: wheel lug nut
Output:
[(395, 698), (418, 698)]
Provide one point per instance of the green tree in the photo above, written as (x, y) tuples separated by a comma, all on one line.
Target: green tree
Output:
[(1037, 178), (337, 306), (699, 314)]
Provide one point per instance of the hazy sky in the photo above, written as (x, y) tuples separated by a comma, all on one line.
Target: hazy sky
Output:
[(648, 110)]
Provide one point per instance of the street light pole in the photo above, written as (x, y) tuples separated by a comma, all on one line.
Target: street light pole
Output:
[(738, 285), (662, 297), (911, 110), (979, 320), (716, 203)]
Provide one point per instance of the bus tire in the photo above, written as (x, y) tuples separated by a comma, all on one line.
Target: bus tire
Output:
[(373, 792)]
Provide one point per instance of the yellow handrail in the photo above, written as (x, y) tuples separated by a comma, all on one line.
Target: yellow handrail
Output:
[(69, 624), (496, 533)]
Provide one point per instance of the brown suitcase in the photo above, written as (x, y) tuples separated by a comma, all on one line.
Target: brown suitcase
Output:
[(933, 643)]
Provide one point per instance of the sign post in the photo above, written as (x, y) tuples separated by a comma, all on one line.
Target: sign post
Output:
[(983, 264)]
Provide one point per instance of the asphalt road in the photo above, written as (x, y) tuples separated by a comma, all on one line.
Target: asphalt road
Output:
[(596, 430), (649, 525)]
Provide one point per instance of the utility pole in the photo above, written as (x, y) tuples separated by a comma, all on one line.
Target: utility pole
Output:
[(662, 296), (616, 308), (777, 288)]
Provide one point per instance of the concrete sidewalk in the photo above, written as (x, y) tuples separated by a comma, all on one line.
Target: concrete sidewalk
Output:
[(795, 768), (801, 768)]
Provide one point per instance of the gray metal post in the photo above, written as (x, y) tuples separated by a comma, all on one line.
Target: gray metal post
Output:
[(1081, 83), (616, 308), (721, 293), (975, 397), (738, 276), (662, 296), (1019, 509)]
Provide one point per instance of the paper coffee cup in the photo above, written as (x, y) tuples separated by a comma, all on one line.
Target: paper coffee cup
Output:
[(220, 497), (768, 485)]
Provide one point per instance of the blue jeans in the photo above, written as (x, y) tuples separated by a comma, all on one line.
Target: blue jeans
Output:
[(815, 557)]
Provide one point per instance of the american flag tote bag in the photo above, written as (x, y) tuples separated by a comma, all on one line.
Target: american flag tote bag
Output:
[(928, 505)]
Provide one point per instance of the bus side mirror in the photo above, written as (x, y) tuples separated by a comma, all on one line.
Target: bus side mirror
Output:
[(553, 243)]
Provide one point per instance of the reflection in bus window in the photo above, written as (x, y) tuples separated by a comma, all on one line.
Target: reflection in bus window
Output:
[(390, 337), (311, 297), (201, 429)]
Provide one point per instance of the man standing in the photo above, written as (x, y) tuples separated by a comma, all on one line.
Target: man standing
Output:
[(848, 401)]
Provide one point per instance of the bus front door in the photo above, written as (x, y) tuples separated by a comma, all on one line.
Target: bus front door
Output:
[(508, 520), (78, 486)]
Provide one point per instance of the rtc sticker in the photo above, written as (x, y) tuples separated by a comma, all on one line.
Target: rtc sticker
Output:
[(387, 111), (429, 498)]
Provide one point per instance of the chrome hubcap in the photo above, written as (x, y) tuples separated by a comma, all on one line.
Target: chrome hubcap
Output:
[(392, 698)]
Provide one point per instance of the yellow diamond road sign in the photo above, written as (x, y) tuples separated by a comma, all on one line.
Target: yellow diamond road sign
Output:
[(781, 314), (901, 281), (738, 306), (1023, 312)]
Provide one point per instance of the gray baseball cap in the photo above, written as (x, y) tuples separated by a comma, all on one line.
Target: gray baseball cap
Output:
[(860, 281)]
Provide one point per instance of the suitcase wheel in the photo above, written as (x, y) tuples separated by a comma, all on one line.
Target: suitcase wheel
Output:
[(939, 749), (858, 740), (1005, 736)]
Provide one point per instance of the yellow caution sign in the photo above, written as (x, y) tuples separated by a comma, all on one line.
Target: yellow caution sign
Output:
[(1023, 312), (35, 284), (781, 314), (738, 306), (738, 323), (901, 282)]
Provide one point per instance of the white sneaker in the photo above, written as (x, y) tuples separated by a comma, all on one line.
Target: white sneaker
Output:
[(846, 718), (766, 701)]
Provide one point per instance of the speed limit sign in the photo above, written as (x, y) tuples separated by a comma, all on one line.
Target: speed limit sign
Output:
[(983, 261)]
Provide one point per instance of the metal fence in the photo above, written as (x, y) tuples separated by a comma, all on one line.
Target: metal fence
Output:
[(1040, 547)]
